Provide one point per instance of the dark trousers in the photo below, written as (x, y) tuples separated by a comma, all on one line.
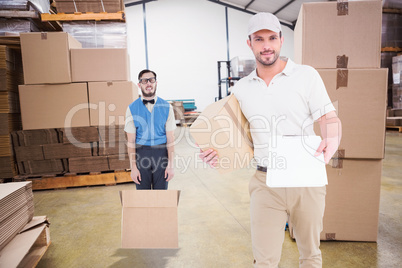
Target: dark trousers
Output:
[(152, 162)]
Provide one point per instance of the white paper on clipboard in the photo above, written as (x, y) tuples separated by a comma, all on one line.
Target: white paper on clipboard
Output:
[(295, 164)]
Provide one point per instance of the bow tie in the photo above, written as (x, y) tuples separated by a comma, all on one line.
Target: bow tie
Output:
[(148, 101)]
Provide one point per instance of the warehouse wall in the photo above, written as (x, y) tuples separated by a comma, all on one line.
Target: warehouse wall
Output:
[(185, 39)]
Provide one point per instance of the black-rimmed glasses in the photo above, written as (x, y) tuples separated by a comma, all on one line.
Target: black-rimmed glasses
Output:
[(144, 81)]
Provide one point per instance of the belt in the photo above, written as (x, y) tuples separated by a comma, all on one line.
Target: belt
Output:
[(261, 168)]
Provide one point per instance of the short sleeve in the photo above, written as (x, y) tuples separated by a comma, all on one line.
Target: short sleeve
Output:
[(318, 99), (129, 126), (170, 122)]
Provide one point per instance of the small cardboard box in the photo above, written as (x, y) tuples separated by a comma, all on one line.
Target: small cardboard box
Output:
[(326, 37), (360, 97), (54, 106), (109, 101), (46, 57), (149, 218), (99, 64), (223, 127), (352, 201)]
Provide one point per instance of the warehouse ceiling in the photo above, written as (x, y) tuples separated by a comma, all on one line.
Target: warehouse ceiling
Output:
[(286, 10)]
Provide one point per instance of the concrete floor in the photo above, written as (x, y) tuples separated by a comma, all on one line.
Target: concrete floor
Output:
[(214, 225)]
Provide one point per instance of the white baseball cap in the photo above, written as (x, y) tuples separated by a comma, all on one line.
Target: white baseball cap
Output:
[(264, 21)]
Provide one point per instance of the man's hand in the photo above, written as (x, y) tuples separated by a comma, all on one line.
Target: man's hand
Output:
[(209, 156), (331, 132), (328, 146), (169, 173), (135, 175)]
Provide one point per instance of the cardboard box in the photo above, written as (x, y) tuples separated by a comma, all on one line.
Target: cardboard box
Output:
[(394, 121), (7, 167), (360, 97), (54, 106), (223, 127), (46, 57), (29, 153), (112, 133), (109, 101), (66, 150), (323, 34), (48, 166), (119, 162), (352, 202), (34, 137), (99, 64), (143, 211), (9, 123), (78, 135), (88, 164)]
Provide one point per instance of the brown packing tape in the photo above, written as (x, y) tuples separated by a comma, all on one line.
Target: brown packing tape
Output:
[(43, 36), (341, 78), (237, 123), (330, 236), (340, 153), (343, 7), (337, 159), (342, 61), (337, 163)]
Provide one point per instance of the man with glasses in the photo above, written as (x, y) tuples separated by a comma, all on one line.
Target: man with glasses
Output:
[(150, 126)]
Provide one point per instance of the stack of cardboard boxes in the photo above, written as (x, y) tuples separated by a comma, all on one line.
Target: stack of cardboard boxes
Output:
[(343, 42), (17, 209), (74, 101), (23, 238), (72, 6), (10, 117)]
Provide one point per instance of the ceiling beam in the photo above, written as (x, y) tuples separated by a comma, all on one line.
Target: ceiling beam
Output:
[(252, 1), (232, 6), (283, 7), (138, 3), (292, 27)]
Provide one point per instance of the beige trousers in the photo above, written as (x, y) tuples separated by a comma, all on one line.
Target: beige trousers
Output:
[(269, 211)]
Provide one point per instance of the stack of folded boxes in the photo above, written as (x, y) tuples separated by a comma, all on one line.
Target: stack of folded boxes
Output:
[(10, 117), (342, 41), (75, 100), (16, 209)]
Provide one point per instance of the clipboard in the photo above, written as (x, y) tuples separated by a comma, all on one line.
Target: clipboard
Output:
[(293, 164)]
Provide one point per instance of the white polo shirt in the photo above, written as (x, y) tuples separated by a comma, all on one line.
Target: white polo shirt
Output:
[(129, 122), (294, 99)]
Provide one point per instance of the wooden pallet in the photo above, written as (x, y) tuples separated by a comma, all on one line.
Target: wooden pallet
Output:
[(27, 247), (399, 128), (70, 180), (391, 49), (78, 16)]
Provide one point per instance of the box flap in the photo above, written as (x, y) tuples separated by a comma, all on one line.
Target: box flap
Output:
[(37, 220), (150, 198)]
